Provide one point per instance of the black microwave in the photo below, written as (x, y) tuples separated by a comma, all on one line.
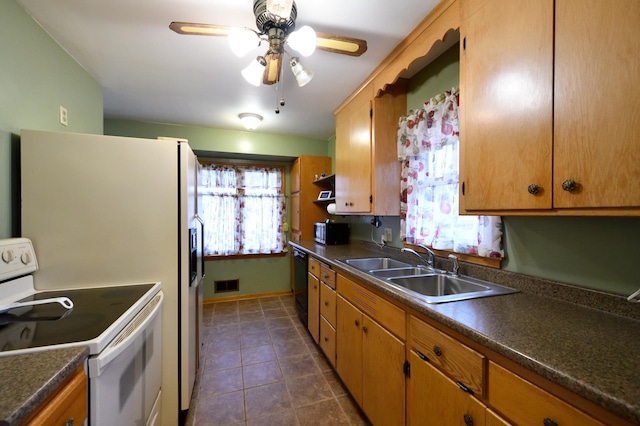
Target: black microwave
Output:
[(331, 233)]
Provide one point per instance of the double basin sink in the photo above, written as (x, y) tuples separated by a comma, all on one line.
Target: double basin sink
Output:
[(430, 285)]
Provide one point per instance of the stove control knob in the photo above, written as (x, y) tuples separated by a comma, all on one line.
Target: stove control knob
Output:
[(26, 258), (8, 256)]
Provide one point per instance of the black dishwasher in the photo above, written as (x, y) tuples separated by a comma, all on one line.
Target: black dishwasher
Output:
[(300, 283)]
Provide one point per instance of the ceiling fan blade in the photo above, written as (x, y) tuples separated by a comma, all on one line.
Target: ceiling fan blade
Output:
[(340, 44), (192, 28), (274, 67)]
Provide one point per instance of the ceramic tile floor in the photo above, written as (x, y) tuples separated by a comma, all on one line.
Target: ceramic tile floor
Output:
[(259, 366)]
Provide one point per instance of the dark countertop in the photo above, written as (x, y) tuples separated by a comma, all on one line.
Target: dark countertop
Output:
[(27, 380), (594, 353)]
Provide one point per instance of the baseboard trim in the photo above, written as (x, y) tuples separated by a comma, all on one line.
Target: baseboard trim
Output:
[(215, 300)]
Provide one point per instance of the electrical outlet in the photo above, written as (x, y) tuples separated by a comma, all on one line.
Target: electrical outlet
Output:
[(64, 117), (387, 237)]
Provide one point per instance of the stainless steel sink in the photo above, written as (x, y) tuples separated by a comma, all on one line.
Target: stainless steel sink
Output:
[(401, 272), (440, 288), (429, 285), (371, 263)]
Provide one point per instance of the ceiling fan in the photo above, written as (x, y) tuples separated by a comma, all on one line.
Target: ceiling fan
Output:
[(276, 23)]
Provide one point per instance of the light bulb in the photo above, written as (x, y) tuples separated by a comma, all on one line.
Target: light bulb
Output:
[(303, 40), (303, 74), (242, 41), (253, 73)]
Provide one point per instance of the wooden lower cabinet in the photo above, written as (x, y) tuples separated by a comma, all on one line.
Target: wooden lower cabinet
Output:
[(369, 362), (314, 306), (67, 406), (524, 403), (493, 419), (435, 399)]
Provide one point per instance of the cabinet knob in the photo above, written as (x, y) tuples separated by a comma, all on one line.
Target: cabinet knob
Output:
[(326, 339), (70, 422), (365, 329), (357, 323), (437, 350), (468, 420), (569, 185), (549, 422), (533, 189), (315, 286), (326, 303)]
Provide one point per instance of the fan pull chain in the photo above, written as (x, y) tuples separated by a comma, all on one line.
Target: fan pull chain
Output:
[(280, 86)]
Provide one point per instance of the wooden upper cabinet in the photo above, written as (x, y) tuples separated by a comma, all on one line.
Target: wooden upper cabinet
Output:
[(506, 103), (597, 103), (550, 107), (353, 155), (367, 166)]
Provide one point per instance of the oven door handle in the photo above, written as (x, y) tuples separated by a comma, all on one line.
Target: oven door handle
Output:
[(131, 332)]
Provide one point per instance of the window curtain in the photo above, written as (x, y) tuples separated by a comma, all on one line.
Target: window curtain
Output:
[(428, 147), (244, 210)]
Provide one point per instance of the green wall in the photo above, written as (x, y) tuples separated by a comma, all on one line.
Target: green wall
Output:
[(257, 275), (591, 252), (36, 77)]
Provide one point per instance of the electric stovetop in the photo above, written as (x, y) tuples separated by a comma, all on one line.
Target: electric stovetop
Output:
[(94, 311)]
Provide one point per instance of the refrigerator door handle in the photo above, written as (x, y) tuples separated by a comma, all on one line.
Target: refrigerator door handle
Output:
[(199, 219)]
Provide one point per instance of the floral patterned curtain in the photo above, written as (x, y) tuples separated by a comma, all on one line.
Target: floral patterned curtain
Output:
[(428, 147), (244, 210)]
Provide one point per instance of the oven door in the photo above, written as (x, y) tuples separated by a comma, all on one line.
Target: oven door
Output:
[(125, 378)]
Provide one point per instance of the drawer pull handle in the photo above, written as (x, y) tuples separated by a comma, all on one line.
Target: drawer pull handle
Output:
[(549, 422), (422, 356), (365, 329), (437, 350), (326, 277), (357, 323), (468, 420), (464, 388)]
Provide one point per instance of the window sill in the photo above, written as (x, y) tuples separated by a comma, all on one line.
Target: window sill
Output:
[(491, 262), (243, 256)]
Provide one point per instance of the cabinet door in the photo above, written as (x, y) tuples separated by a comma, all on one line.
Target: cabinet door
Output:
[(597, 103), (383, 388), (353, 156), (506, 71), (295, 212), (434, 399), (313, 323), (295, 175), (349, 347)]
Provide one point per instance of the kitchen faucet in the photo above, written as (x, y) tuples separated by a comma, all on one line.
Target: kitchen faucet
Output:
[(454, 272), (430, 259)]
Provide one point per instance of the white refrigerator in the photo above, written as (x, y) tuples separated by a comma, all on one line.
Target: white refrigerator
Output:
[(105, 210)]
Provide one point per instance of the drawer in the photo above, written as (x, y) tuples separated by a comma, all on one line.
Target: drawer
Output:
[(328, 340), (328, 304), (386, 314), (314, 267), (523, 402), (70, 402), (327, 276), (458, 361)]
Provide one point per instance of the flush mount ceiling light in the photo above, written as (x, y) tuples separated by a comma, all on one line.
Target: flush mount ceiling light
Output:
[(249, 120), (276, 24)]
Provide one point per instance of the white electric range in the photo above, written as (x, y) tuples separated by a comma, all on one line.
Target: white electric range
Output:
[(121, 325)]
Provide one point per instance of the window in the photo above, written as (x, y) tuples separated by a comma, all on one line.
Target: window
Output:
[(244, 209), (428, 149)]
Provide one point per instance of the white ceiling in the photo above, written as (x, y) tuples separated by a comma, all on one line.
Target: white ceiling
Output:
[(150, 73)]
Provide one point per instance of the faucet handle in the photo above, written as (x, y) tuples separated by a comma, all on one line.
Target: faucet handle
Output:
[(456, 266)]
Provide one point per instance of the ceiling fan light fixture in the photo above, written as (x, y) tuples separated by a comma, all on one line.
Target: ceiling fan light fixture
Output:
[(253, 73), (281, 8), (303, 74), (242, 40), (303, 40), (249, 120)]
